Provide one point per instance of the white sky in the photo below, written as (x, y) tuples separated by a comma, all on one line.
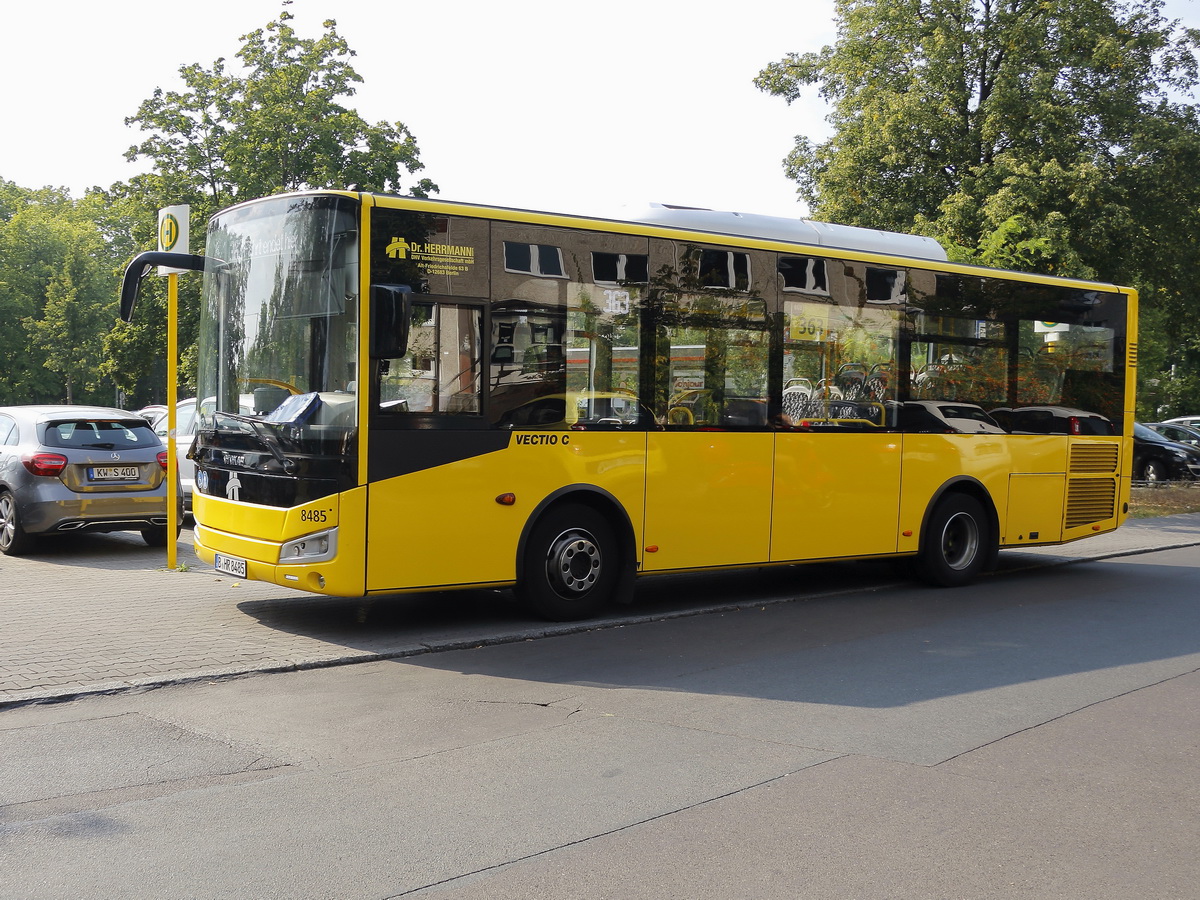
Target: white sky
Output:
[(539, 104)]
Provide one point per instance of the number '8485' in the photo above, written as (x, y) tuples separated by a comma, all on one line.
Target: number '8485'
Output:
[(313, 515)]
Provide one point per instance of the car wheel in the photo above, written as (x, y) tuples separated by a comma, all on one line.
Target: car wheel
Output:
[(14, 540), (958, 542), (1154, 471), (156, 535), (572, 566)]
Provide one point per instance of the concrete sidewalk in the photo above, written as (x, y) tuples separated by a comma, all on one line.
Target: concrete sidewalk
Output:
[(97, 614)]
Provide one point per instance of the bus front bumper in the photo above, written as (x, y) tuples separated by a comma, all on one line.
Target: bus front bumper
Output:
[(307, 563)]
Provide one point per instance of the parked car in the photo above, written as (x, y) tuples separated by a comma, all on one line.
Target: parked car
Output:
[(1191, 421), (1180, 434), (1155, 458), (941, 417), (185, 434), (152, 412), (65, 469), (1052, 420)]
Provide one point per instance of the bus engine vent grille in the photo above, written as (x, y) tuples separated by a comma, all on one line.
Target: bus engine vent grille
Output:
[(1090, 500), (1094, 459)]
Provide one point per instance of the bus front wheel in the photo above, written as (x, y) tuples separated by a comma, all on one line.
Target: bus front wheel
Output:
[(572, 565), (957, 542)]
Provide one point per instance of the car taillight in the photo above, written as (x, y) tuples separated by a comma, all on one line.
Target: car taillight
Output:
[(162, 459), (1073, 425), (48, 464)]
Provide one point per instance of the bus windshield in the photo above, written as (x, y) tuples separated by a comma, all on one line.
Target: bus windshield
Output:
[(279, 327)]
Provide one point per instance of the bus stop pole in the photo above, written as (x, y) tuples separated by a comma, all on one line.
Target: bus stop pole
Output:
[(172, 394)]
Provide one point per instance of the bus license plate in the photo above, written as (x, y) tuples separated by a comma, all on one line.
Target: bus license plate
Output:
[(230, 565), (113, 473)]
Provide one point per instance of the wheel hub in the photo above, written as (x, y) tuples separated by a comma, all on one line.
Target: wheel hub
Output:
[(960, 541), (7, 525), (573, 565)]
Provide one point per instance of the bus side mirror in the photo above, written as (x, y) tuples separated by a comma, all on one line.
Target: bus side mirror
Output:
[(391, 307), (140, 267)]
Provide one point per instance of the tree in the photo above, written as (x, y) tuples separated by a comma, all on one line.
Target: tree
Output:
[(135, 352), (277, 124), (1045, 135), (70, 332), (278, 127), (56, 296)]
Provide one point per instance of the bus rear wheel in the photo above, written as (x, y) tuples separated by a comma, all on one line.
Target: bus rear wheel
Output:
[(572, 565), (958, 542)]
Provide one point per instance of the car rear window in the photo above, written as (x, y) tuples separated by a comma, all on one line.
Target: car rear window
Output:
[(91, 434), (1096, 425), (965, 412)]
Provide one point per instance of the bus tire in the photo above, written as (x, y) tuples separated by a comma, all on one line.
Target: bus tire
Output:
[(572, 566), (957, 543)]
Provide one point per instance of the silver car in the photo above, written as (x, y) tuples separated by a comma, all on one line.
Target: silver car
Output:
[(79, 468), (186, 426)]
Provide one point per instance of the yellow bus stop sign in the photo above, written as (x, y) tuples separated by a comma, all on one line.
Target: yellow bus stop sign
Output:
[(173, 234), (168, 233)]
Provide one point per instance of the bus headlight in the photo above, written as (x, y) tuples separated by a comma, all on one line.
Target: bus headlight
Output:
[(311, 548)]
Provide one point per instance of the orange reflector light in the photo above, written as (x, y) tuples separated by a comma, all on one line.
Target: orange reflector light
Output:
[(506, 499), (653, 548), (907, 533)]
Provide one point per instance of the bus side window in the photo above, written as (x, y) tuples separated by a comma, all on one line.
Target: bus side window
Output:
[(440, 374)]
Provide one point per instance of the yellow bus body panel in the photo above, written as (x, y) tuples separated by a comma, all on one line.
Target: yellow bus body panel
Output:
[(708, 499), (443, 527), (694, 500), (835, 495)]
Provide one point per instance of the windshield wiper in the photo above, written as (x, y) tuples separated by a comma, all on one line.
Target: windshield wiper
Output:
[(267, 435)]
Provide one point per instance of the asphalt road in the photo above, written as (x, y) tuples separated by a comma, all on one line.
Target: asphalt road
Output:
[(101, 613), (821, 732)]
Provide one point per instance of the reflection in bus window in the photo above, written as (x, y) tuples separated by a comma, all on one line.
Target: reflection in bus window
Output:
[(839, 362), (535, 259), (620, 268), (441, 372), (717, 374), (527, 359), (724, 269), (803, 273), (1010, 345)]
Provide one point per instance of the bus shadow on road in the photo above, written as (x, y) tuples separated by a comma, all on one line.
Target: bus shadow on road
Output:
[(837, 635), (400, 623), (898, 646)]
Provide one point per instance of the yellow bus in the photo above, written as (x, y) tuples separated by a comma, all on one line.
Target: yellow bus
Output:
[(449, 395)]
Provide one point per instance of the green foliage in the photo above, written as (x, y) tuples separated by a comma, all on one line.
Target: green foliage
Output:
[(1045, 135), (280, 126), (135, 352), (277, 124), (56, 298)]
